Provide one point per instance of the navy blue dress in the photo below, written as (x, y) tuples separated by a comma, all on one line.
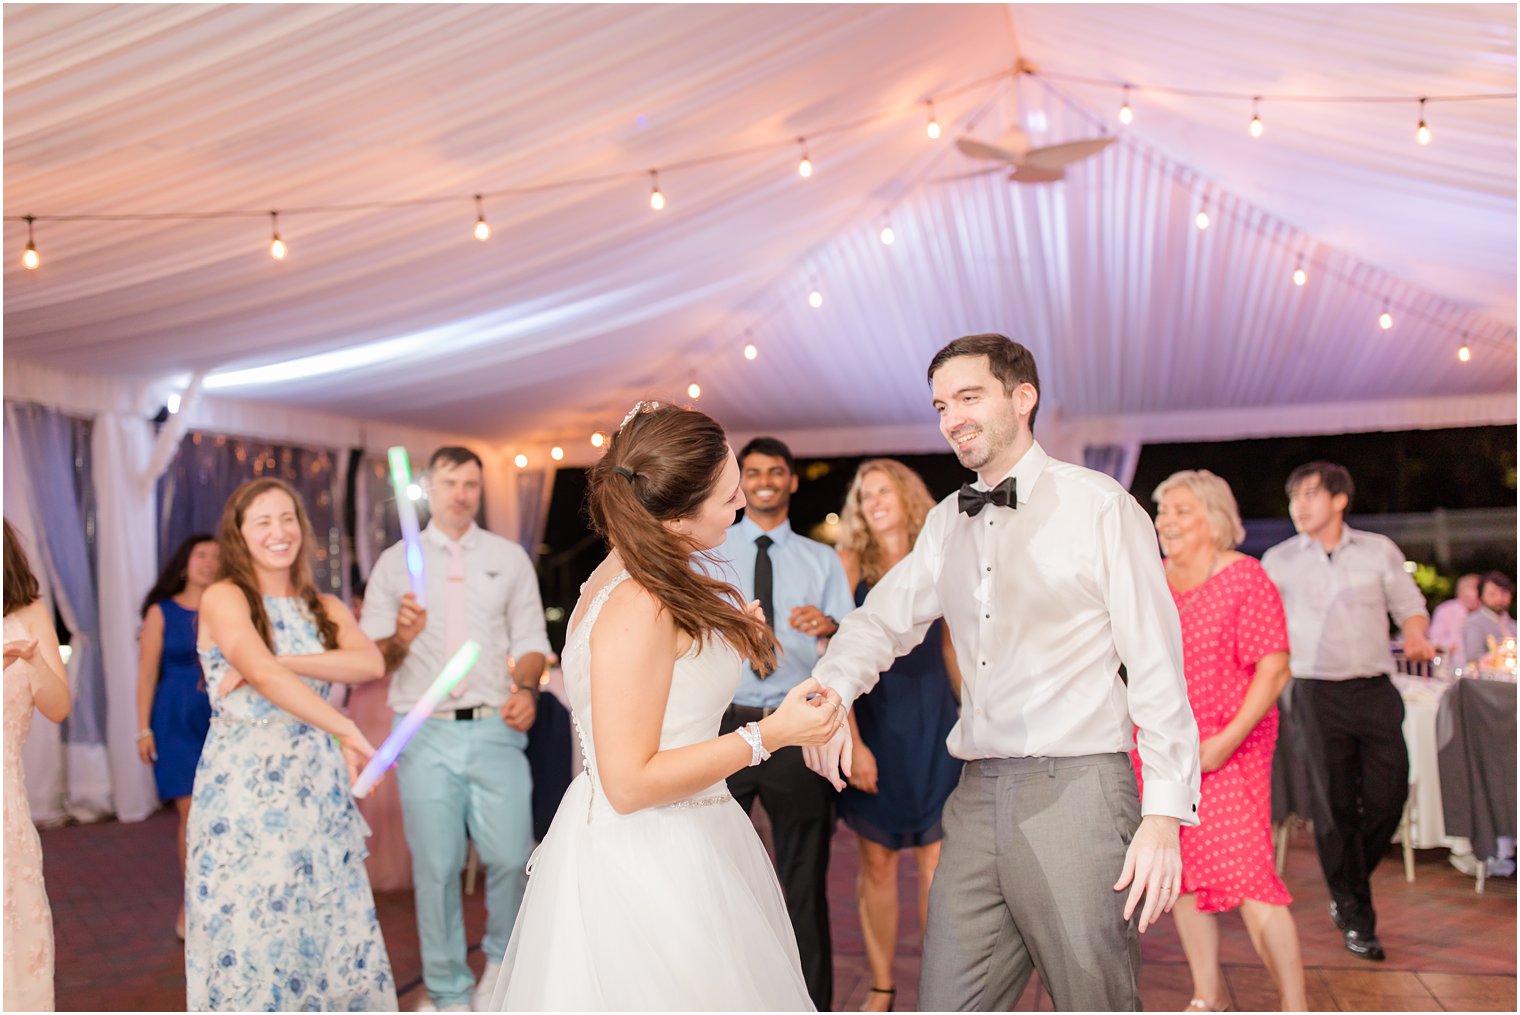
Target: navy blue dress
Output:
[(181, 713), (904, 721)]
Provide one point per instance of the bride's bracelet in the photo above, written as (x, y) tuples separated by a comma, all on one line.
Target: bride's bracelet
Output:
[(750, 733)]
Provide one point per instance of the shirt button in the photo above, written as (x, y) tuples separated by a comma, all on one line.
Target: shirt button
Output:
[(984, 662), (989, 568), (987, 615), (978, 711), (989, 521)]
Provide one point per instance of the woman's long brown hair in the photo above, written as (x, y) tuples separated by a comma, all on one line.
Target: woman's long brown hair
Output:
[(237, 562), (20, 583), (858, 538), (660, 467)]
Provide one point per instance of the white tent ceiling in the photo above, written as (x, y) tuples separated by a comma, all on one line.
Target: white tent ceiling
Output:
[(584, 299)]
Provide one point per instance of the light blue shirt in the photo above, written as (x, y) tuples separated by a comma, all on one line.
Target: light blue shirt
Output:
[(804, 573)]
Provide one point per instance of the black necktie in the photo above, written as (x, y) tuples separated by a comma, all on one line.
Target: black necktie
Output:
[(973, 500), (764, 583)]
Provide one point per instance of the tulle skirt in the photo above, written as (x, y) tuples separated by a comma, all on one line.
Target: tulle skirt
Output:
[(670, 908)]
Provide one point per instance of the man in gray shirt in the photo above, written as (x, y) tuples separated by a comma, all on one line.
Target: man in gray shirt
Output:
[(1491, 619), (1339, 586)]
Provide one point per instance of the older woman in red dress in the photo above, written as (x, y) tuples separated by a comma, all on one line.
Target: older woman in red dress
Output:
[(1235, 653)]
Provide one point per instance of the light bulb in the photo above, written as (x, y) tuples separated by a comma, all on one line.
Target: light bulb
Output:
[(1464, 354), (887, 235), (815, 299), (413, 491), (804, 167), (693, 390), (932, 130), (1300, 276), (557, 453), (1201, 220), (276, 245), (30, 260), (597, 439), (521, 460), (656, 199), (1256, 126), (482, 231), (1126, 114), (750, 352), (1422, 133), (1385, 320)]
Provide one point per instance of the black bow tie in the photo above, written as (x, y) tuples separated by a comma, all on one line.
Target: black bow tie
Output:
[(973, 500)]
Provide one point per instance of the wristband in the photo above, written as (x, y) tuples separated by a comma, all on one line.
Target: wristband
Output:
[(750, 734), (144, 733)]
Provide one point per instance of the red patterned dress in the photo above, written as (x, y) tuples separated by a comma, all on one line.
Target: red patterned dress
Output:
[(1229, 623)]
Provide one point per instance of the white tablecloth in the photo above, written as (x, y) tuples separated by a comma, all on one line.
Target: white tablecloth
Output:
[(1427, 821)]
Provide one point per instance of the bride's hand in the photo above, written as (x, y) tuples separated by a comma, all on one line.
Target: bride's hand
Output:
[(803, 722)]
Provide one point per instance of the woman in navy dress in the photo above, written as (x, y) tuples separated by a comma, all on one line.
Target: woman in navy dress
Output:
[(902, 772), (173, 710)]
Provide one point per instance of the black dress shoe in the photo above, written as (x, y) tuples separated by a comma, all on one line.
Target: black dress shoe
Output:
[(1335, 915), (1365, 946)]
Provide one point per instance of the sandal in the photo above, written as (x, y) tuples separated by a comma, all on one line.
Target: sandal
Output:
[(891, 993)]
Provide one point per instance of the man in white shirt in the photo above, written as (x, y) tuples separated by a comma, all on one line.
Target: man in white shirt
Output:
[(1049, 578), (1339, 586), (1446, 622), (464, 771)]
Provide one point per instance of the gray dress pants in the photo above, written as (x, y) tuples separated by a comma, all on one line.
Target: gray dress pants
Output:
[(1032, 849)]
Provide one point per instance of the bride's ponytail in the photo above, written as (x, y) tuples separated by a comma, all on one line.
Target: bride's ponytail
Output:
[(660, 466)]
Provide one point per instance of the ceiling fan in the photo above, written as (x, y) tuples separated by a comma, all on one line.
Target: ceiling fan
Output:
[(1026, 163)]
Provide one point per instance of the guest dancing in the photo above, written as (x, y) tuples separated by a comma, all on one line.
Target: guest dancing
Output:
[(902, 773), (34, 677), (651, 890), (174, 712), (1235, 658), (280, 912)]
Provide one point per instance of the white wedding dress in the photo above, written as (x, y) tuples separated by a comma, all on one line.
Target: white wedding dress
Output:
[(672, 908)]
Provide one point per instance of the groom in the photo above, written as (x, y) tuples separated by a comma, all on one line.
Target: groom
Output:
[(1049, 578)]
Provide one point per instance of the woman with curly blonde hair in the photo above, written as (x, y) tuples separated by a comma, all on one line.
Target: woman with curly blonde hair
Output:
[(902, 772)]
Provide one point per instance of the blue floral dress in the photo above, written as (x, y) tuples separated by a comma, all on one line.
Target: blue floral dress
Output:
[(279, 915)]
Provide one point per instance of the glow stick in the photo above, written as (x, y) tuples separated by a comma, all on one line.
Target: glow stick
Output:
[(453, 672), (406, 513)]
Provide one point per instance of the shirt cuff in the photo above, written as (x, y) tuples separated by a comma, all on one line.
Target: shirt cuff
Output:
[(1170, 799)]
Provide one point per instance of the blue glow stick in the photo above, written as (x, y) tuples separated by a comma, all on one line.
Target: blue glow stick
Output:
[(448, 678), (406, 513)]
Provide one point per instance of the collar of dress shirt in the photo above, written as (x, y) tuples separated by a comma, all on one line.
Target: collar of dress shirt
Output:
[(1026, 471), (1348, 536), (750, 531), (440, 538)]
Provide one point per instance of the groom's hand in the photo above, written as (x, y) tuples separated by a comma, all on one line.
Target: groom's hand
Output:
[(832, 757)]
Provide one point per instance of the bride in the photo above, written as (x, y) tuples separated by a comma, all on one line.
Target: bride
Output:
[(651, 890)]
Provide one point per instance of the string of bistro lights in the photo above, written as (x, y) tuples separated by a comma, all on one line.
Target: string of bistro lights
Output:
[(657, 200)]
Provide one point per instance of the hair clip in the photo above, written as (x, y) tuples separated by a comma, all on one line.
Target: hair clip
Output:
[(638, 407), (626, 473)]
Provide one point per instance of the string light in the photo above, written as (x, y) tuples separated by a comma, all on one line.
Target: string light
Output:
[(1126, 114), (656, 199), (887, 235), (805, 167), (521, 461), (933, 128), (557, 453), (276, 245), (1201, 220), (1422, 132), (1464, 354), (598, 439), (482, 230), (1299, 275), (1256, 127), (1385, 319), (750, 352), (815, 299), (693, 391), (30, 259)]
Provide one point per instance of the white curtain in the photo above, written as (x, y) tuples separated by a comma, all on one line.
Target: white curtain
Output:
[(1117, 460)]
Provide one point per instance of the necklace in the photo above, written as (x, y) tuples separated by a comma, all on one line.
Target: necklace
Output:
[(1192, 594)]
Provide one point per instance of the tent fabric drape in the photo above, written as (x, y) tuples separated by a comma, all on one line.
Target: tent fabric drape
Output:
[(51, 444), (1115, 460)]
